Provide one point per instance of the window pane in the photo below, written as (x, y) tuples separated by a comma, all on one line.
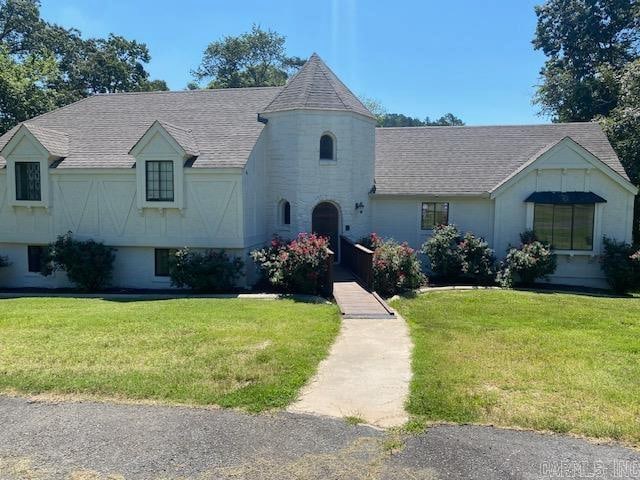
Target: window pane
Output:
[(162, 262), (543, 222), (441, 213), (562, 218), (427, 221), (28, 181), (35, 254), (326, 147), (159, 181), (583, 227), (286, 213)]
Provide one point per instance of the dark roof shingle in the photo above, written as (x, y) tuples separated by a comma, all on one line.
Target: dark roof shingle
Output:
[(316, 87), (472, 160), (102, 129)]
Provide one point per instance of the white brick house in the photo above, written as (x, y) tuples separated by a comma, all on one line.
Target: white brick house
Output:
[(227, 169)]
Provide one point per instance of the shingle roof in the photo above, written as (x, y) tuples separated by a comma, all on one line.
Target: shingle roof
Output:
[(56, 143), (316, 87), (103, 128), (182, 136), (472, 160)]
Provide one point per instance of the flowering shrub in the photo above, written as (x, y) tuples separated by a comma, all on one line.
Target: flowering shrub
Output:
[(88, 264), (396, 267), (453, 256), (298, 266), (208, 271), (478, 260), (443, 252), (524, 265), (621, 265)]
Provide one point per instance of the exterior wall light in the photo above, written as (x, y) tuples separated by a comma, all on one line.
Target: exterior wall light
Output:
[(360, 206)]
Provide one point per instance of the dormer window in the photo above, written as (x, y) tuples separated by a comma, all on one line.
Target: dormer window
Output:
[(159, 180), (28, 182), (327, 147)]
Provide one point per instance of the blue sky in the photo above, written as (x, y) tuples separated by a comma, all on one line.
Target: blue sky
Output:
[(472, 58)]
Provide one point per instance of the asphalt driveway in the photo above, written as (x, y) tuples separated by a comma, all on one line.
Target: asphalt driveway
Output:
[(42, 440)]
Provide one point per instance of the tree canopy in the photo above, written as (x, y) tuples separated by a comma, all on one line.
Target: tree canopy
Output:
[(252, 59), (592, 71), (44, 66), (386, 119)]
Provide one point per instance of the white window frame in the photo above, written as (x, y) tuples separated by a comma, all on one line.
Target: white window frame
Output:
[(178, 157), (41, 156)]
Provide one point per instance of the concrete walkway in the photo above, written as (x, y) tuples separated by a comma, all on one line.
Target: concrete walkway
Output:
[(366, 375)]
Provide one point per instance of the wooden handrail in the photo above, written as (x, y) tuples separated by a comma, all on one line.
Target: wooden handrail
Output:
[(358, 259)]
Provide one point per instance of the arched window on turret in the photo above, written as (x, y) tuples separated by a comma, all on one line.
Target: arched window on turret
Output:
[(327, 147), (285, 213)]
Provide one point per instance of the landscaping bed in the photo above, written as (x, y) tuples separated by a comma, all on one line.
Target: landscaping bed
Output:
[(253, 354), (540, 360)]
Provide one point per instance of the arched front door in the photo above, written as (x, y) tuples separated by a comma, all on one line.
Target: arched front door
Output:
[(325, 221)]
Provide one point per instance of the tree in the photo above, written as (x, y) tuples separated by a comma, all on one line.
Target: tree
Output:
[(586, 42), (47, 66), (26, 88), (592, 71), (253, 59), (386, 119)]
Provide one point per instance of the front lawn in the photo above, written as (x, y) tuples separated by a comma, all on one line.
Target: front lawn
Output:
[(254, 354), (546, 361)]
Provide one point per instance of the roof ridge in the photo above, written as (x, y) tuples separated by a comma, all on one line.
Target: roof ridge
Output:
[(325, 72)]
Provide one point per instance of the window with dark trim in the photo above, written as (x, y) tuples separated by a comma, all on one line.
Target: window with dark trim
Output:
[(565, 226), (326, 147), (286, 213), (434, 214), (28, 181), (159, 180), (35, 257), (162, 256)]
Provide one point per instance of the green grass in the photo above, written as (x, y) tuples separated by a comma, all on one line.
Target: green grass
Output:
[(254, 354), (546, 361)]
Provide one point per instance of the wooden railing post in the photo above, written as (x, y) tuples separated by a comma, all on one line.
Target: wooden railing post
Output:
[(327, 282)]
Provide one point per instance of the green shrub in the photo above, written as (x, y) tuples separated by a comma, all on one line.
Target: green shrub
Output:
[(455, 257), (524, 265), (296, 266), (207, 271), (621, 265), (443, 252), (396, 267), (88, 264), (478, 260)]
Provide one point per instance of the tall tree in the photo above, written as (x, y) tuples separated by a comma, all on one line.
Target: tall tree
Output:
[(592, 71), (253, 59), (82, 67), (586, 42), (26, 87)]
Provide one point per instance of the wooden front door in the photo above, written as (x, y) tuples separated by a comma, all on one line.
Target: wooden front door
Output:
[(325, 221)]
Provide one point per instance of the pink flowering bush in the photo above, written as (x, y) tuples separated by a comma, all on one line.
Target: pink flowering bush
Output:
[(296, 266), (396, 267), (524, 265)]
